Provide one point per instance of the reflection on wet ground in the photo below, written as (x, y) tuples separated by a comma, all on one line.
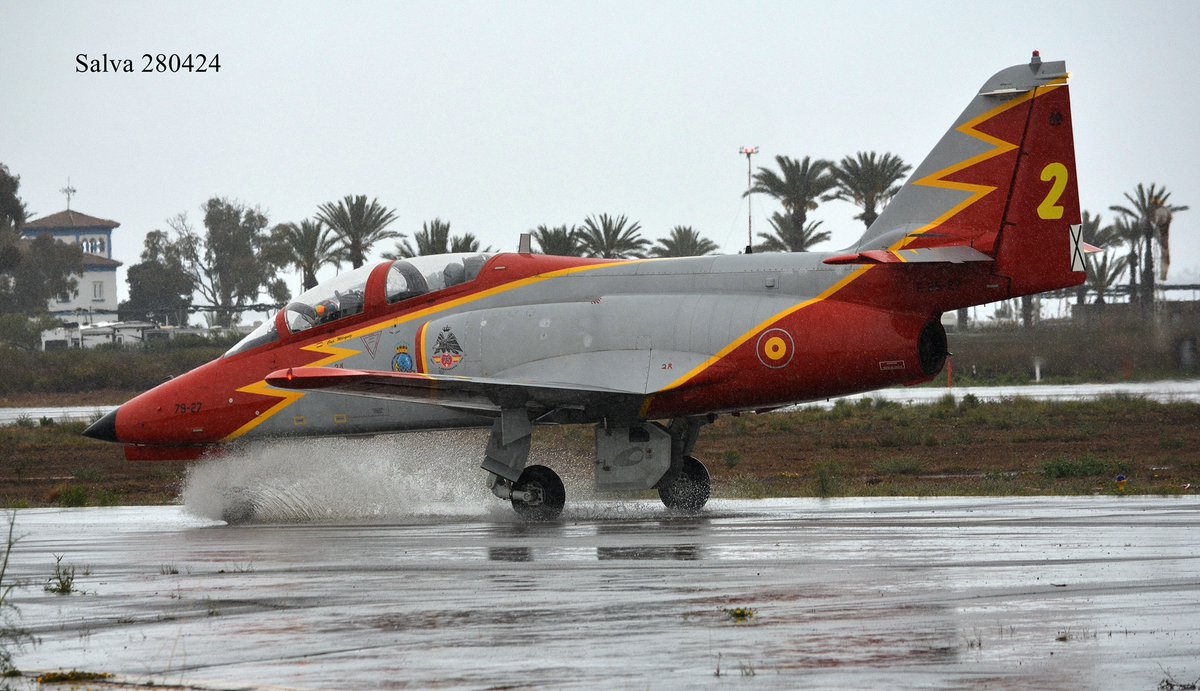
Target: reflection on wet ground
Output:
[(1013, 593)]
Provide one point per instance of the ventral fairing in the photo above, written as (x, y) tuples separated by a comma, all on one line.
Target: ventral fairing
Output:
[(648, 351)]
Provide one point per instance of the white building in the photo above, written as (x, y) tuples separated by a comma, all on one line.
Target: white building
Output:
[(92, 335), (96, 298)]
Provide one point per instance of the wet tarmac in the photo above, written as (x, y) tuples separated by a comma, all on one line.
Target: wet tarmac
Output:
[(1098, 592)]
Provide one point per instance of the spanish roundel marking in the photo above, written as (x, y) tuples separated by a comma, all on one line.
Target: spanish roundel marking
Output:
[(775, 348)]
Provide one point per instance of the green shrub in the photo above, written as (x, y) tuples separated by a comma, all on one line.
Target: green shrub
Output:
[(826, 480), (1088, 466), (73, 495), (899, 466), (732, 458)]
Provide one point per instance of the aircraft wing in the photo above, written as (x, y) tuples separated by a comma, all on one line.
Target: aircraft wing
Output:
[(466, 393)]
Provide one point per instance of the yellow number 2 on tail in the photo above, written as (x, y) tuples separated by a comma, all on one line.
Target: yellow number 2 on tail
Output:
[(1050, 209)]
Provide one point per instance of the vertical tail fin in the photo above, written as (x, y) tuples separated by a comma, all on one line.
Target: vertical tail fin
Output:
[(1001, 181)]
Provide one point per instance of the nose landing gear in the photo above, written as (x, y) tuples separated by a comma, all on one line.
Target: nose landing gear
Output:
[(538, 495)]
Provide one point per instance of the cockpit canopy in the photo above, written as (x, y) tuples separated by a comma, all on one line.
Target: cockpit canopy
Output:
[(345, 295)]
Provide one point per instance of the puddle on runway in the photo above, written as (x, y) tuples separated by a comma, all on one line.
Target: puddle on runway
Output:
[(420, 474), (423, 474), (853, 593)]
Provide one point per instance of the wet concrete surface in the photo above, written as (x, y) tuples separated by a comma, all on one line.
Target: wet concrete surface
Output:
[(1098, 592)]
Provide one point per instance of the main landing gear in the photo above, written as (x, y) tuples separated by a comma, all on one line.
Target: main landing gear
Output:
[(690, 490), (640, 456)]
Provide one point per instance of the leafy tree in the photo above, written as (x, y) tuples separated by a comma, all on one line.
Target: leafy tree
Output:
[(612, 237), (1149, 209), (684, 241), (868, 182), (159, 286), (46, 268), (31, 272), (791, 234), (12, 217), (24, 332), (307, 247), (358, 224), (562, 241), (798, 185), (12, 209), (230, 262)]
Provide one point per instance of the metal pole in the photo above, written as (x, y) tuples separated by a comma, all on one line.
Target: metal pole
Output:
[(749, 151)]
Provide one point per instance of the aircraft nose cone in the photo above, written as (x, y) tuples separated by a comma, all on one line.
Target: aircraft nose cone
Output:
[(104, 429)]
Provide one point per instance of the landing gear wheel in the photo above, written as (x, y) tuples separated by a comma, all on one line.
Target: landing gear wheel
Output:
[(689, 493), (239, 506), (548, 492)]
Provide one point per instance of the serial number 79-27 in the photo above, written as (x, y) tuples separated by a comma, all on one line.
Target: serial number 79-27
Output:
[(181, 408)]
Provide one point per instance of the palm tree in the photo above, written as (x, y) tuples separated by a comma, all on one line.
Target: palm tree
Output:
[(1127, 231), (1094, 234), (1103, 273), (684, 241), (868, 182), (358, 225), (791, 235), (614, 238), (467, 243), (307, 247), (433, 238), (1149, 210), (562, 241), (798, 185)]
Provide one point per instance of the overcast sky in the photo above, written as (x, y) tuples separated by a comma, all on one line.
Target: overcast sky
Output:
[(501, 116)]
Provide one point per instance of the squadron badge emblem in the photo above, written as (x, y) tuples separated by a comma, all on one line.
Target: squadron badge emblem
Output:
[(402, 361), (447, 353)]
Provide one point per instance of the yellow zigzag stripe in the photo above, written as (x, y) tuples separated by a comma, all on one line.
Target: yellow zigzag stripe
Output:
[(999, 148), (334, 353), (933, 180)]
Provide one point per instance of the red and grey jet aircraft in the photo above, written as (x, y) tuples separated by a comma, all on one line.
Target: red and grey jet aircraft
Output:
[(648, 350)]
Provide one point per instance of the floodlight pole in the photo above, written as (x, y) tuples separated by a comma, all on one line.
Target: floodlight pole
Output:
[(749, 151)]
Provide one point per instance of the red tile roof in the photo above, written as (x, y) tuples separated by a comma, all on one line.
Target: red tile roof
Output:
[(70, 219), (89, 260), (95, 260)]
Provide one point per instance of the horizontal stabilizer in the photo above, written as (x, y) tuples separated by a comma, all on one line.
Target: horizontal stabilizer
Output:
[(468, 393), (956, 254)]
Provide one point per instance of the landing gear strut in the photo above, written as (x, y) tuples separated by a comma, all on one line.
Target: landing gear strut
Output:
[(629, 457), (536, 492), (690, 490)]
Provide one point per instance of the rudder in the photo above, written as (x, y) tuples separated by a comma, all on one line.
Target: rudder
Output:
[(1001, 182)]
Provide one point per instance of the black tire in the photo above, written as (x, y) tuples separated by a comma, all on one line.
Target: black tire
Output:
[(690, 491), (545, 482), (239, 506)]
